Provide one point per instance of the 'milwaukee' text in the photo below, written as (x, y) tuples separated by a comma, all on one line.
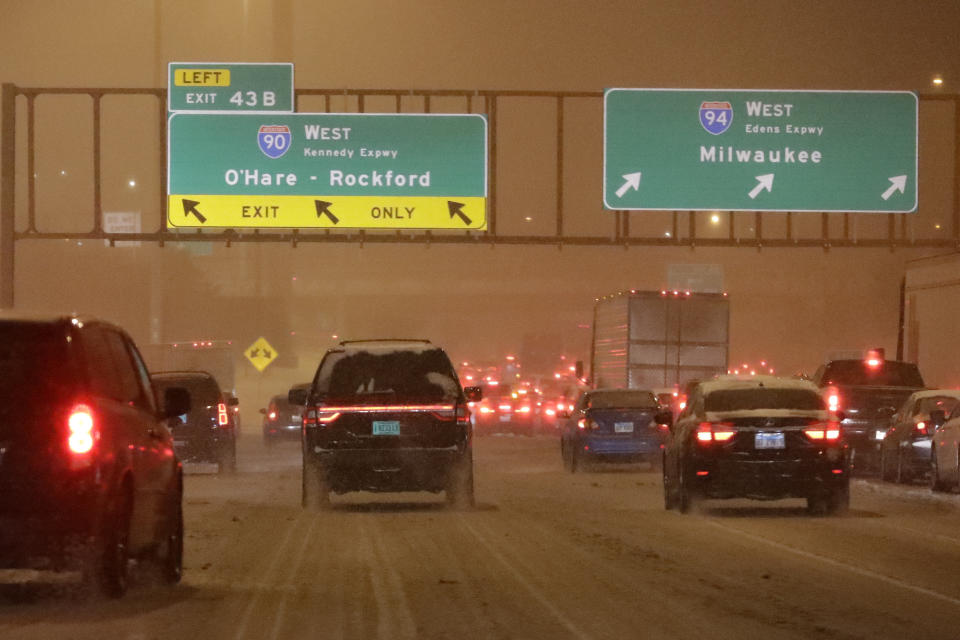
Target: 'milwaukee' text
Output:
[(786, 155)]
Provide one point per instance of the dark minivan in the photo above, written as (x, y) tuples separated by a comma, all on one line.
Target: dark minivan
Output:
[(386, 415), (88, 473)]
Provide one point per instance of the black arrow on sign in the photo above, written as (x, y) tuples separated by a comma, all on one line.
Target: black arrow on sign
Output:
[(254, 353), (324, 208), (190, 206), (456, 209), (267, 353)]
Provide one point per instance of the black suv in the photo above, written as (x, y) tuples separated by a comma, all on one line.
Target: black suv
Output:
[(206, 433), (88, 473), (867, 392), (386, 415)]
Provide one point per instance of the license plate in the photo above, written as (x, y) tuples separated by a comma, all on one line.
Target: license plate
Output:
[(386, 427), (769, 440), (504, 418), (623, 427)]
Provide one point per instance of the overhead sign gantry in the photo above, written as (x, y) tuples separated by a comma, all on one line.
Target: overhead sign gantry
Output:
[(737, 150)]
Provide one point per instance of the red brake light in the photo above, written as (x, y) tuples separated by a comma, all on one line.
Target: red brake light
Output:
[(81, 426), (223, 419), (272, 415), (326, 417), (922, 427), (829, 431), (833, 400), (715, 432)]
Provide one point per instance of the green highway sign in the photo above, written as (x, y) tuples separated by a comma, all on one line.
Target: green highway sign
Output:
[(232, 87), (737, 150), (377, 171)]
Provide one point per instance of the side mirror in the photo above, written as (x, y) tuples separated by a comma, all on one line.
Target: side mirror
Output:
[(233, 400), (473, 394), (176, 402), (298, 396), (263, 411), (938, 417)]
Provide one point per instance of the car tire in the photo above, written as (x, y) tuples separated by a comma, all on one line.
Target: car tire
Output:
[(885, 475), (670, 501), (108, 561), (170, 558), (228, 459), (902, 476), (688, 498), (459, 491), (935, 484), (315, 488), (838, 500)]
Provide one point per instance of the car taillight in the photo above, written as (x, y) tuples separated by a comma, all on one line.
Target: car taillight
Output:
[(463, 415), (325, 416), (310, 418), (272, 415), (506, 408), (921, 427), (524, 409), (833, 400), (223, 418), (81, 425), (715, 432), (485, 409), (826, 431), (586, 424)]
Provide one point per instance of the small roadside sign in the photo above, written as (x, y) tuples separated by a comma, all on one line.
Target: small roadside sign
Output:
[(260, 354), (230, 87)]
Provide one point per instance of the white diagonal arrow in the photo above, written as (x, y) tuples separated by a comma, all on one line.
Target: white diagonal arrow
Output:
[(763, 182), (632, 182), (897, 183)]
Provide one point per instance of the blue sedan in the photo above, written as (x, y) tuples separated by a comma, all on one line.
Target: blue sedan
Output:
[(613, 425)]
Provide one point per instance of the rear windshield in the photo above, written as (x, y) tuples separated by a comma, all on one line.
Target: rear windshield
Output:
[(369, 377), (34, 365), (622, 400), (763, 398), (204, 392), (934, 403), (859, 373)]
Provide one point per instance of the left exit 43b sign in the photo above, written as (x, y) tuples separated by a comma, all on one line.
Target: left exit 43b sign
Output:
[(230, 87)]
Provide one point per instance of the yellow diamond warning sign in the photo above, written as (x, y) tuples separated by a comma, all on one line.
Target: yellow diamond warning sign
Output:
[(260, 354)]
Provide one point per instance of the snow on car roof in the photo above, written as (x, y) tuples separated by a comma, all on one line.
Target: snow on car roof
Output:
[(386, 346), (934, 393), (725, 383)]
